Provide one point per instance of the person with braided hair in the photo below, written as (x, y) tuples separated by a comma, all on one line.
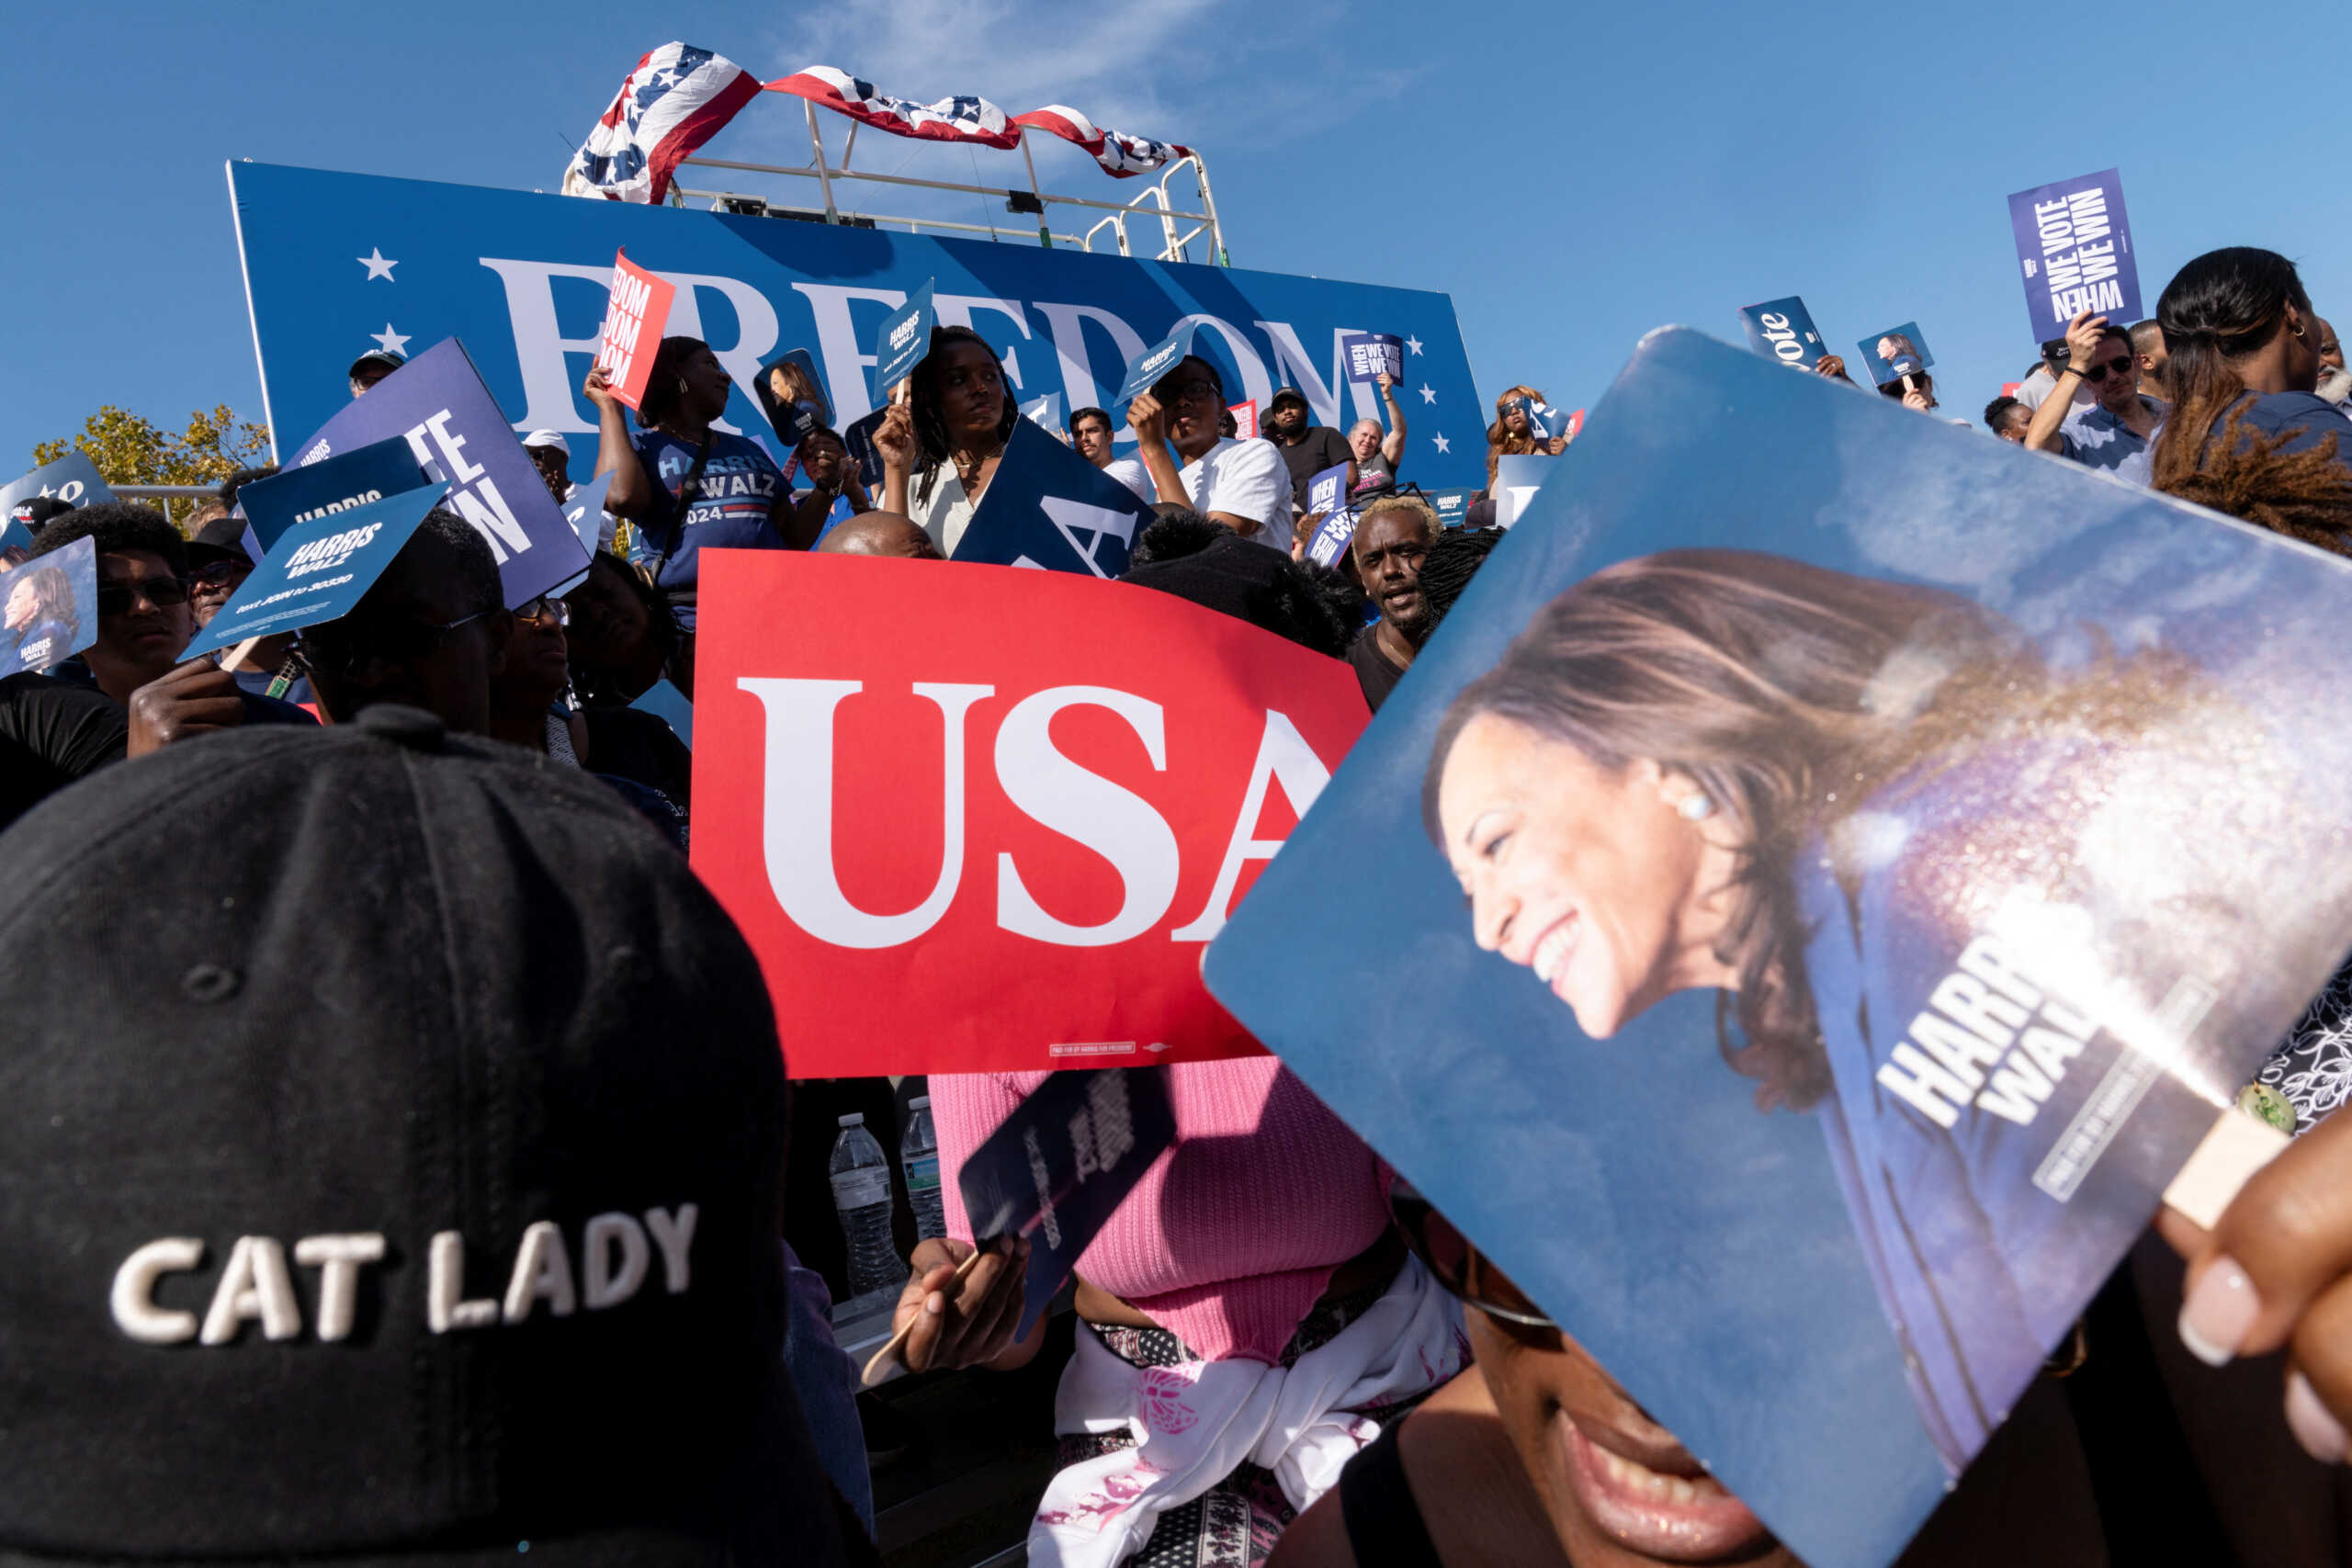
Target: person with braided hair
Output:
[(957, 413), (2247, 434)]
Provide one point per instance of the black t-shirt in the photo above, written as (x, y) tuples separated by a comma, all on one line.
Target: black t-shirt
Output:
[(52, 734), (1321, 448), (1374, 672), (633, 744)]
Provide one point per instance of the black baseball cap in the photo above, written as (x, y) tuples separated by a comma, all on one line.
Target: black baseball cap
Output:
[(1286, 395), (397, 1179), (35, 510)]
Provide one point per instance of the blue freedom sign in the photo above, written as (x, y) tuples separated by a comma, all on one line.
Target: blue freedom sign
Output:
[(318, 570), (1048, 507), (73, 478), (1832, 1254), (901, 341), (340, 483), (523, 280), (48, 608), (437, 402), (1370, 355), (2075, 250), (1783, 330)]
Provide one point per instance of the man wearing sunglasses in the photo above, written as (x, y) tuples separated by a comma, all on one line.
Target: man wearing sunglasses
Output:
[(2113, 433), (145, 619), (218, 567), (1242, 484)]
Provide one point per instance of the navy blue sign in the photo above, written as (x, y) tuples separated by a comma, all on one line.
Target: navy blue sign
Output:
[(73, 478), (858, 441), (340, 483), (525, 279), (1061, 1165), (1370, 355), (902, 341), (2075, 251), (1543, 421), (438, 404), (1144, 369), (1822, 1199), (1453, 505), (48, 608), (318, 570), (1049, 507), (1332, 537), (1327, 488), (1783, 330), (1895, 353)]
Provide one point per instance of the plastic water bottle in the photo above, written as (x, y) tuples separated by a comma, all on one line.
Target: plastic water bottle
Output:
[(861, 1196), (918, 1157)]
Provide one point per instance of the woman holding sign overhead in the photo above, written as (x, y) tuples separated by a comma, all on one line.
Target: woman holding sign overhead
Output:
[(1509, 436), (685, 485), (1908, 854)]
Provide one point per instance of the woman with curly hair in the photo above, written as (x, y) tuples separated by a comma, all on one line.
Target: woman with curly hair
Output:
[(1508, 435), (2247, 433), (958, 414), (1912, 857)]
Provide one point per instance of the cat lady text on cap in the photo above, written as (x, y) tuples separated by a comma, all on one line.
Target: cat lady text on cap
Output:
[(256, 1284)]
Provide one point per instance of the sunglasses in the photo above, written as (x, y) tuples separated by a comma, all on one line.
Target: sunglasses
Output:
[(2098, 373), (218, 573), (343, 645), (116, 598), (1459, 1269), (1194, 392), (544, 611)]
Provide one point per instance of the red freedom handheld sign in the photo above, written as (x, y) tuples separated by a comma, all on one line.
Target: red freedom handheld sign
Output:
[(633, 317), (955, 850)]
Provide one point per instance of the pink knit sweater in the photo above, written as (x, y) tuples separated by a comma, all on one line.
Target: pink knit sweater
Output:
[(1231, 1236)]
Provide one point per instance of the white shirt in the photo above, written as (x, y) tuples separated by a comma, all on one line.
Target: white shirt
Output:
[(2041, 383), (944, 516), (1130, 472), (1245, 479)]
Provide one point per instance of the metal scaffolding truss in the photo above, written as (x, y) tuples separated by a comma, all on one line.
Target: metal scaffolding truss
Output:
[(1154, 204)]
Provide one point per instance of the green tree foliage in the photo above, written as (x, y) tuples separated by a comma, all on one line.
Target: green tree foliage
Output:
[(129, 449)]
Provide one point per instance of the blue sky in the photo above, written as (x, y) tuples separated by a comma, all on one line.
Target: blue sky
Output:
[(1571, 174)]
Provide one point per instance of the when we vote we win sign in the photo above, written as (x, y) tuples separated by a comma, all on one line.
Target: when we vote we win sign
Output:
[(2074, 252)]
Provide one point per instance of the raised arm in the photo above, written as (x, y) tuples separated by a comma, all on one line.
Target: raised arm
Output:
[(2083, 336), (1151, 426), (1392, 446), (631, 494)]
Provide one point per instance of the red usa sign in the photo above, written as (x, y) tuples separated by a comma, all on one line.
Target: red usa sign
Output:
[(981, 818)]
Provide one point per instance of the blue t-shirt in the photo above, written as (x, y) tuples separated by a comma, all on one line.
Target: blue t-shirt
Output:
[(2097, 439), (738, 488), (2308, 417)]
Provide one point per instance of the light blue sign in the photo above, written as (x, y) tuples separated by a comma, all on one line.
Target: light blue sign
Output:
[(48, 608), (669, 705), (1783, 330), (523, 280), (318, 570), (584, 509), (1144, 371), (1048, 507)]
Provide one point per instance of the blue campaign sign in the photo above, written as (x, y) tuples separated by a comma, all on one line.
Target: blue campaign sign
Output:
[(1327, 488), (337, 483), (1144, 370), (584, 509), (48, 608), (73, 478), (1061, 1165), (318, 570), (902, 339), (16, 541), (1332, 537), (1783, 330), (1822, 1199), (1049, 507), (524, 279), (1453, 505), (1368, 354), (437, 402), (1894, 353), (803, 361), (2075, 250)]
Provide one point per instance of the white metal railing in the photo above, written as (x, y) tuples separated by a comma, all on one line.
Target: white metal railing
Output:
[(1154, 202)]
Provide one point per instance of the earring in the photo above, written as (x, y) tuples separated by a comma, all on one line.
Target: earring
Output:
[(1696, 808)]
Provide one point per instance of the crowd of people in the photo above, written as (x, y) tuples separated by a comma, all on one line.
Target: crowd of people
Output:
[(404, 797)]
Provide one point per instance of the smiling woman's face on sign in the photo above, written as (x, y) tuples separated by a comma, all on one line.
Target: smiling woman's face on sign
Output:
[(1598, 880)]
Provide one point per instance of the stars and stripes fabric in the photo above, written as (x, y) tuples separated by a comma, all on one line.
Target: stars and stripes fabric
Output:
[(1120, 155), (971, 119), (676, 99), (963, 117)]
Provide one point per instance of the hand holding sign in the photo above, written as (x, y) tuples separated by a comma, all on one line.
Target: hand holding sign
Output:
[(197, 698), (634, 314)]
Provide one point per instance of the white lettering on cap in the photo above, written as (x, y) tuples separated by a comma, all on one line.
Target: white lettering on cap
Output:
[(254, 1286), (601, 1285), (445, 1306), (337, 1259), (542, 1269), (134, 1299)]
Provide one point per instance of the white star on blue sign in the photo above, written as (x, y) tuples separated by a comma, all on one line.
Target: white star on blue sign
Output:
[(391, 341), (1414, 344), (377, 266), (1429, 394), (1442, 445)]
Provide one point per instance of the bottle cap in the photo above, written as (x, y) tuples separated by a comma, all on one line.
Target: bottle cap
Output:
[(918, 1102), (855, 1118)]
